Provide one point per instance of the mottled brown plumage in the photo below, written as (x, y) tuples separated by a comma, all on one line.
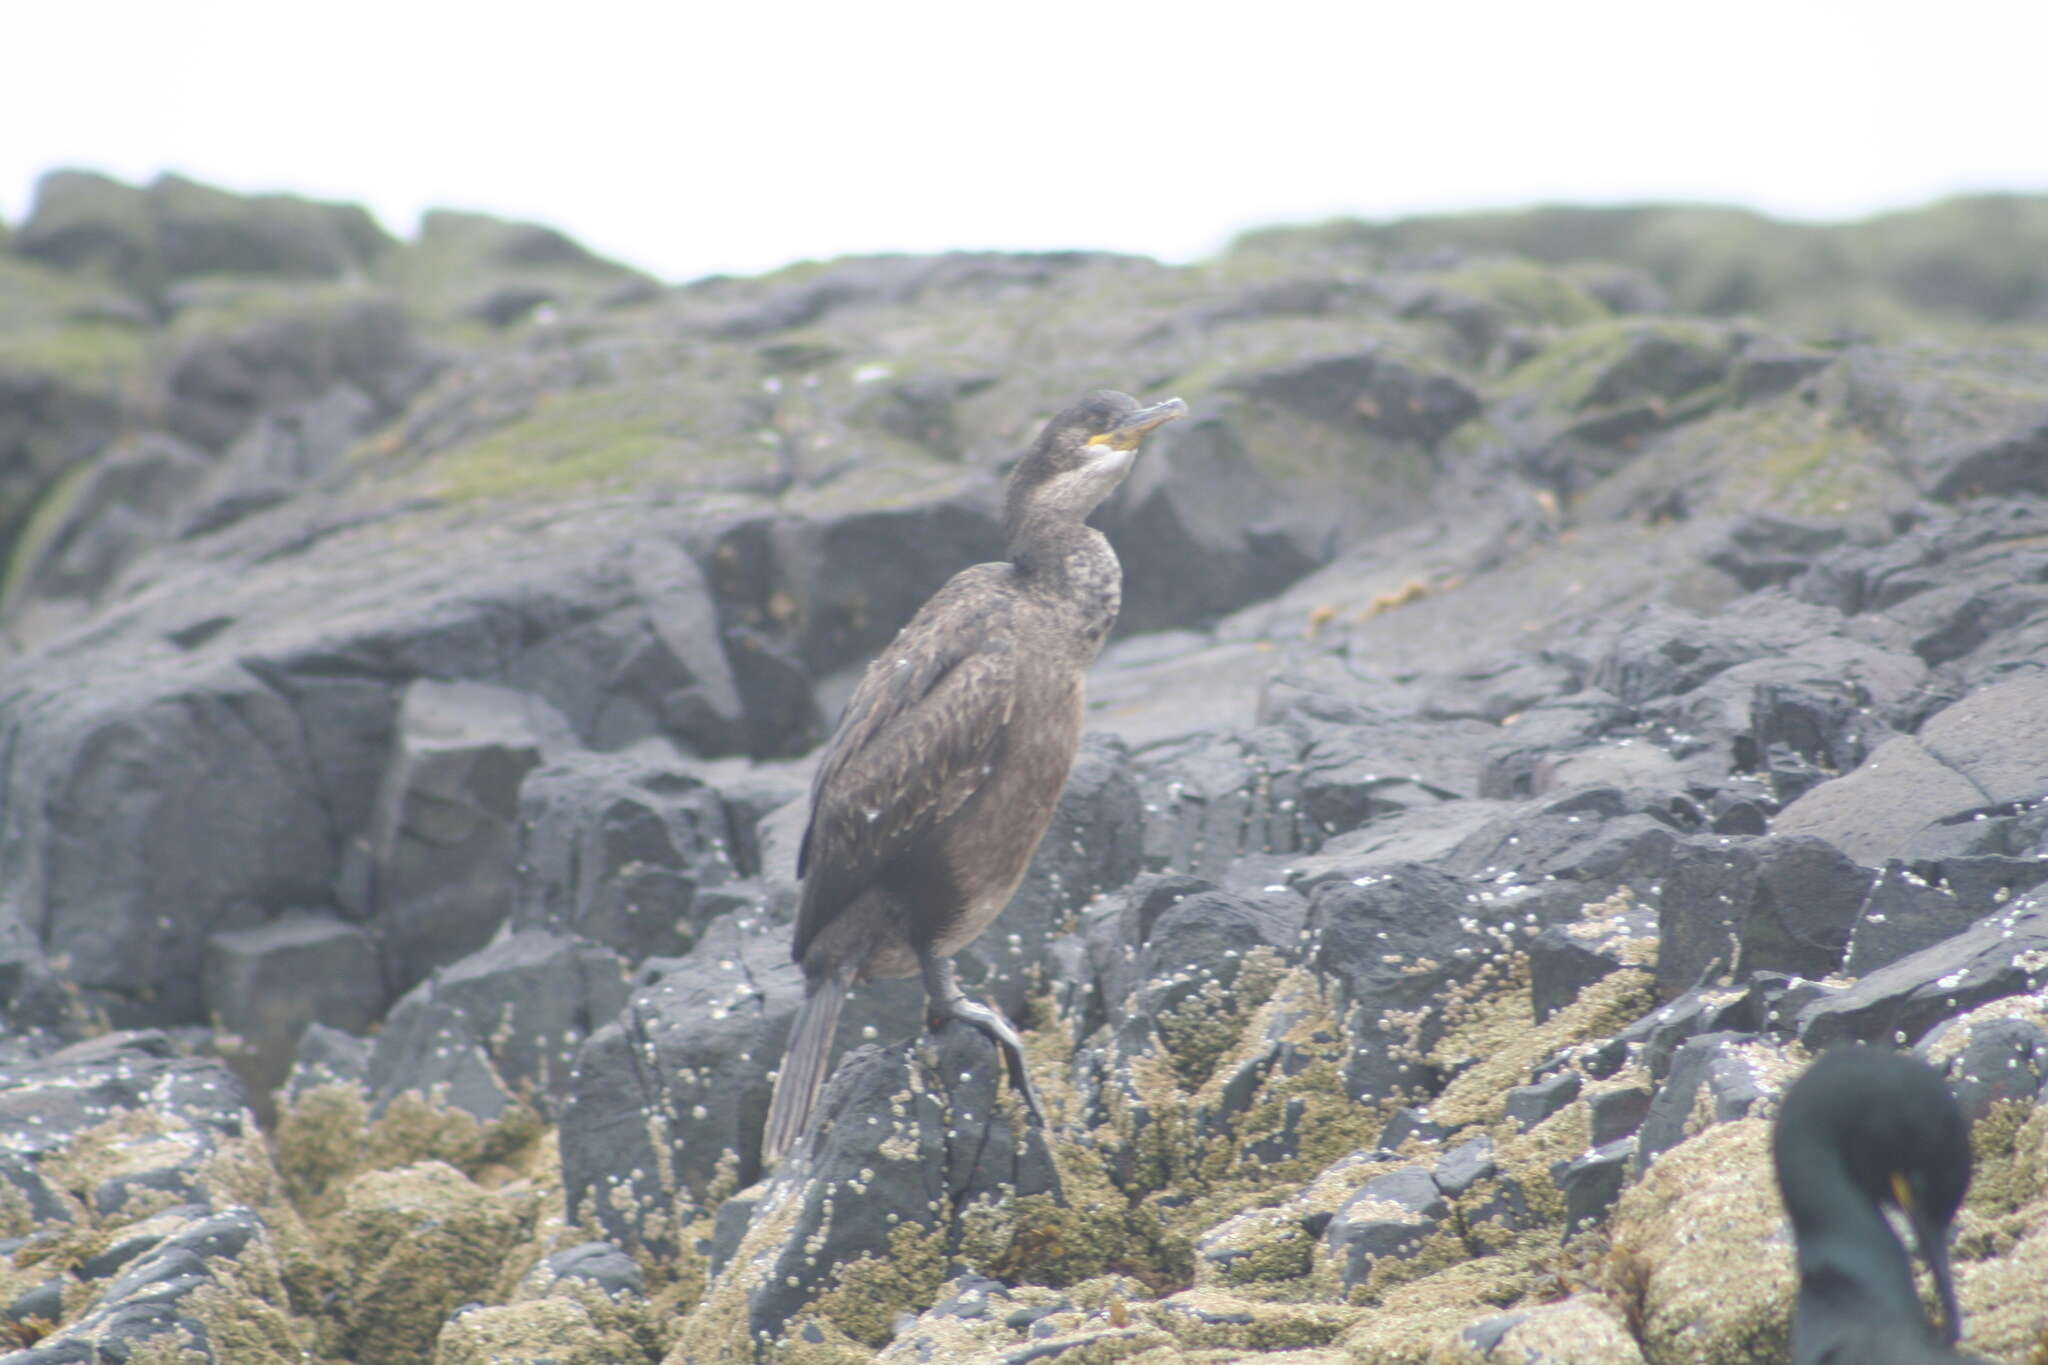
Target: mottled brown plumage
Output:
[(952, 753)]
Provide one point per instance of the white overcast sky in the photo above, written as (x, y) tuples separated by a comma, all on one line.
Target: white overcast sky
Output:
[(689, 138)]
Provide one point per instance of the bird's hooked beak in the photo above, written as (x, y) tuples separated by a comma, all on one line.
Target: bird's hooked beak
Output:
[(1127, 433), (1933, 1242)]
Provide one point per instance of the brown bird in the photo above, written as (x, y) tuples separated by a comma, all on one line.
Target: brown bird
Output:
[(946, 767)]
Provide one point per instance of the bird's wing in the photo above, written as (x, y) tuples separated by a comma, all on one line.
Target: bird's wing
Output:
[(919, 737)]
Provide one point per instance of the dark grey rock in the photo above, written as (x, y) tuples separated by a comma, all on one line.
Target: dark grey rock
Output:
[(1464, 1166), (47, 1102), (1487, 1334), (1201, 531), (1996, 737), (680, 1081), (1654, 1038), (1388, 1218), (125, 503), (1564, 959), (1355, 773), (1728, 1065), (1876, 812), (1369, 392), (1391, 943), (431, 1050), (618, 847), (1784, 904), (1617, 1114), (1663, 651), (529, 1001), (119, 785), (1165, 957), (1162, 939), (602, 1264), (1528, 1105), (42, 1008), (1990, 1061), (1965, 586), (2010, 461), (44, 1301), (132, 1243), (442, 839), (1212, 799), (46, 1204), (2003, 954), (1517, 762), (281, 452), (218, 383), (266, 985), (970, 1297), (1767, 549), (1410, 1122), (1486, 1194), (1771, 1004), (852, 581), (1904, 913), (729, 1226), (1596, 838), (1592, 1182), (327, 1056), (144, 1300), (923, 1162)]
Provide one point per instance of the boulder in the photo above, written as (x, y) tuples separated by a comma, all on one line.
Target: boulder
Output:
[(1391, 945), (414, 1244), (441, 839), (2001, 955), (912, 1146), (526, 1003), (621, 847), (268, 984), (1783, 904)]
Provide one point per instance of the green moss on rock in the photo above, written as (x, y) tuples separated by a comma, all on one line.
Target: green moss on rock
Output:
[(411, 1245)]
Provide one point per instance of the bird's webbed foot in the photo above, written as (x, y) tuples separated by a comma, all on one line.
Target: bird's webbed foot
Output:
[(945, 1001)]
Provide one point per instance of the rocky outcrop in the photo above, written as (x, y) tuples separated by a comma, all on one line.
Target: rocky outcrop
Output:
[(1540, 720)]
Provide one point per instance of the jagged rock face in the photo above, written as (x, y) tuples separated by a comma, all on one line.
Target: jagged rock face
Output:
[(1539, 720)]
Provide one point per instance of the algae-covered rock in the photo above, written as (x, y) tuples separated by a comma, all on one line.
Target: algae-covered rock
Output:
[(913, 1154), (1703, 1248), (411, 1244), (1581, 1330), (539, 1332)]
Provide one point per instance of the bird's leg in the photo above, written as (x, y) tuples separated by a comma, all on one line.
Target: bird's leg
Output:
[(944, 1000)]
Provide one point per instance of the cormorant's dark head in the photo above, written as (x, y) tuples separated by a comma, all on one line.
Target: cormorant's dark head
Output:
[(1863, 1129), (1082, 455)]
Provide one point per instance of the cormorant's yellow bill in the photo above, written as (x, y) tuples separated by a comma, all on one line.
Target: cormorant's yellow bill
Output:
[(1126, 434)]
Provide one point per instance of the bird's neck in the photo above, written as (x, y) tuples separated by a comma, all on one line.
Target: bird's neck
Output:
[(1071, 566), (1854, 1273)]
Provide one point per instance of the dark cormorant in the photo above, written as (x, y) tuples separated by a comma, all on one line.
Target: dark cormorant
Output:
[(1863, 1128), (953, 751)]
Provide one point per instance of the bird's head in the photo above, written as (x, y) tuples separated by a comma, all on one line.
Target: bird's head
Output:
[(1869, 1125), (1082, 455)]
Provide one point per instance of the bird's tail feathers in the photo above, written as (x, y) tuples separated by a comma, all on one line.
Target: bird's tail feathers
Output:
[(803, 1069)]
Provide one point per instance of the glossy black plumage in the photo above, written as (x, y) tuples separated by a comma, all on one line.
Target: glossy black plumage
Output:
[(1865, 1128), (943, 774)]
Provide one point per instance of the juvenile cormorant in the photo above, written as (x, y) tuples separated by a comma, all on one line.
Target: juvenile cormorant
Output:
[(1863, 1128), (952, 753)]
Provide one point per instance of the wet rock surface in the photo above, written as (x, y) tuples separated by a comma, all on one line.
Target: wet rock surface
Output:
[(1540, 721)]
